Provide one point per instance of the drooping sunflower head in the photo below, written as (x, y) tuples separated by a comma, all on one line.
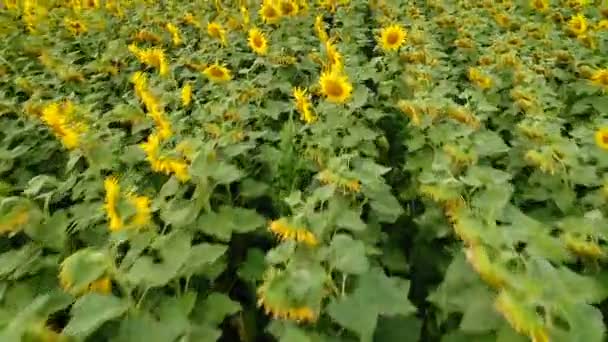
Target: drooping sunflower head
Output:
[(578, 24), (217, 73), (601, 138), (257, 41), (335, 86), (288, 8), (392, 37), (270, 13)]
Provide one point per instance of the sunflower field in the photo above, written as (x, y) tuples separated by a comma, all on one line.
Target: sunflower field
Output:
[(303, 171)]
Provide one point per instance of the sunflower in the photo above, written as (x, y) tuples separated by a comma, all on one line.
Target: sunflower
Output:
[(288, 8), (601, 138), (216, 31), (257, 41), (112, 189), (142, 215), (602, 25), (186, 94), (320, 29), (335, 86), (392, 37), (75, 27), (245, 16), (269, 13), (273, 298), (147, 36), (578, 24), (303, 105), (334, 58), (175, 35), (152, 57), (600, 78), (217, 73), (479, 79), (540, 5), (287, 231)]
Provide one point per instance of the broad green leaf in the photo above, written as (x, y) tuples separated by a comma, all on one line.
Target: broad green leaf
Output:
[(91, 311), (216, 307), (348, 255), (229, 220), (388, 295), (83, 267), (173, 249), (202, 255), (398, 329), (354, 314), (142, 327), (253, 267), (351, 220), (14, 258)]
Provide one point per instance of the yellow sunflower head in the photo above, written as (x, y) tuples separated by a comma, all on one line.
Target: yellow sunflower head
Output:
[(601, 138), (270, 13), (600, 78), (540, 5), (392, 37), (217, 73), (578, 24), (334, 58), (288, 8), (335, 86), (257, 41), (75, 27), (320, 29), (216, 31)]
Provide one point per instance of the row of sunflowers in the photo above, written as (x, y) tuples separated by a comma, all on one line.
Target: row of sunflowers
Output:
[(296, 170)]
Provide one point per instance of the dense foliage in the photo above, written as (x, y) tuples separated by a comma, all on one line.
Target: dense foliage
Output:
[(291, 170)]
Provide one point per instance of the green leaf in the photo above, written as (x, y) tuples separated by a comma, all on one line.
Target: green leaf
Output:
[(351, 220), (200, 256), (52, 233), (83, 267), (286, 331), (173, 249), (480, 316), (91, 311), (398, 329), (387, 295), (15, 258), (348, 255), (489, 143), (142, 327), (179, 213), (250, 188), (354, 314), (253, 268), (386, 206), (229, 220), (585, 324), (375, 294), (216, 307), (224, 173)]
